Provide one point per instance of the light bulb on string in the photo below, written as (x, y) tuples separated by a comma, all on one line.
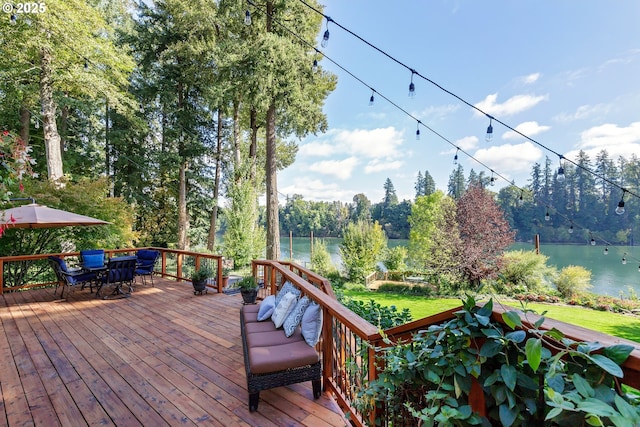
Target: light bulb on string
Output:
[(561, 176), (86, 65), (624, 259), (13, 19), (521, 199), (492, 181), (547, 217), (571, 228), (489, 136), (412, 86), (455, 158), (247, 17), (606, 250), (593, 241), (620, 208), (314, 68), (372, 99), (418, 131), (325, 36)]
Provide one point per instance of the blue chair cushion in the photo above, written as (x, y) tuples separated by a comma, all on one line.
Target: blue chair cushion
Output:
[(93, 261)]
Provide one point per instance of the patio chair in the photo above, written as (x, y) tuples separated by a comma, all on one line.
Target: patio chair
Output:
[(120, 271), (92, 258), (70, 278), (146, 262)]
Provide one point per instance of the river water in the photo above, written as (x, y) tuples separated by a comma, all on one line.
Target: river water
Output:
[(609, 276)]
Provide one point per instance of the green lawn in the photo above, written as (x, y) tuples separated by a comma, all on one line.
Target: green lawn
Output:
[(618, 325)]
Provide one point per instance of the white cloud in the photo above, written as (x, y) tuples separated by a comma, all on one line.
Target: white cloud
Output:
[(527, 128), (530, 79), (509, 157), (341, 169), (467, 144), (316, 149), (583, 112), (317, 190), (515, 104), (375, 143), (618, 141), (378, 165)]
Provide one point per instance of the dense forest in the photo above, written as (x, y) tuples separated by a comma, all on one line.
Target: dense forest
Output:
[(174, 108), (576, 209)]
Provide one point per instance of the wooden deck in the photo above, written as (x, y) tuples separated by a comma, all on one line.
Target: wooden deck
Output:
[(162, 357)]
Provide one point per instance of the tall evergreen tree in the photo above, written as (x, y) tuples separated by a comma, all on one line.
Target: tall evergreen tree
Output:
[(456, 186)]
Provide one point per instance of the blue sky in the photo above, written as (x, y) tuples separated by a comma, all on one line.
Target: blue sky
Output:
[(565, 73)]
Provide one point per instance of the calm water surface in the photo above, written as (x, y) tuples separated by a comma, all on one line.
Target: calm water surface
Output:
[(608, 275)]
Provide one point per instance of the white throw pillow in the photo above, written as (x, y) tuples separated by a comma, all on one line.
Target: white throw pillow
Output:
[(287, 303), (312, 324), (287, 287), (295, 317), (266, 308)]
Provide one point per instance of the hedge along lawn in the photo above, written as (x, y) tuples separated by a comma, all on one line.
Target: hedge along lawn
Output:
[(619, 325)]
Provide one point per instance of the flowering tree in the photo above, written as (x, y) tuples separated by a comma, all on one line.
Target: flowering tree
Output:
[(484, 232), (15, 163)]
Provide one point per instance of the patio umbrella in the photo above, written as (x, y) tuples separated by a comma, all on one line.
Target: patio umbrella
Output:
[(38, 216)]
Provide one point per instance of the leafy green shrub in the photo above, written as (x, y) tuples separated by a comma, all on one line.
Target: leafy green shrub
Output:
[(361, 248), (524, 271), (428, 381), (394, 258), (394, 288), (573, 280), (321, 259), (378, 315)]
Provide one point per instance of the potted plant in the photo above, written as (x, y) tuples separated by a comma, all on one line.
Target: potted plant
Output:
[(225, 276), (248, 289), (199, 280)]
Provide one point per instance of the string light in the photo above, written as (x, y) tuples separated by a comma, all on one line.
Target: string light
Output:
[(521, 199), (571, 228), (412, 86), (372, 99), (560, 177), (315, 66), (247, 17), (489, 136), (593, 241), (547, 217), (624, 259), (455, 158), (620, 208), (418, 131), (606, 250), (492, 181), (325, 36)]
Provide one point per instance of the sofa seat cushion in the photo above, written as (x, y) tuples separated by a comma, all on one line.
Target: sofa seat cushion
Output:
[(280, 357), (275, 337), (259, 327)]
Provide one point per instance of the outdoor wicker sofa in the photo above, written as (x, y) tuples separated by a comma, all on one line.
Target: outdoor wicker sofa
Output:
[(272, 359)]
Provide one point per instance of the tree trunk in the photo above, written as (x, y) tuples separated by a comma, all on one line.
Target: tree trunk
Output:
[(271, 170), (50, 129), (183, 219), (211, 240), (25, 122), (273, 222), (253, 148), (236, 141)]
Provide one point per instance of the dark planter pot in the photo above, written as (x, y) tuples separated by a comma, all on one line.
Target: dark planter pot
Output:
[(249, 297), (199, 287)]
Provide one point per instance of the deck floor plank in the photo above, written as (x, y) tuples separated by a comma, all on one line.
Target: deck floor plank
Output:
[(164, 356)]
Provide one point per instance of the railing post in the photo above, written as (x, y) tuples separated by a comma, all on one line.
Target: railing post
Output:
[(327, 347), (219, 274), (179, 266)]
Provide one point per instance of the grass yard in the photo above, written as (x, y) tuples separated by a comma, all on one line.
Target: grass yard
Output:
[(619, 325)]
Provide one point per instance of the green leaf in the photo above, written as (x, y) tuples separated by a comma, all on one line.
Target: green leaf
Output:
[(554, 412), (607, 364), (582, 386), (555, 334), (491, 333), (593, 420), (516, 336), (618, 353), (486, 309), (483, 320), (410, 356), (512, 319), (507, 415), (533, 350), (596, 407), (509, 376), (490, 348)]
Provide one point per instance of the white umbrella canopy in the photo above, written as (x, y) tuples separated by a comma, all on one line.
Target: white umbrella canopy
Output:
[(38, 216)]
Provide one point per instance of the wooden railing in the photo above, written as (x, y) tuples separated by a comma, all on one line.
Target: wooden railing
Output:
[(349, 345), (33, 271)]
